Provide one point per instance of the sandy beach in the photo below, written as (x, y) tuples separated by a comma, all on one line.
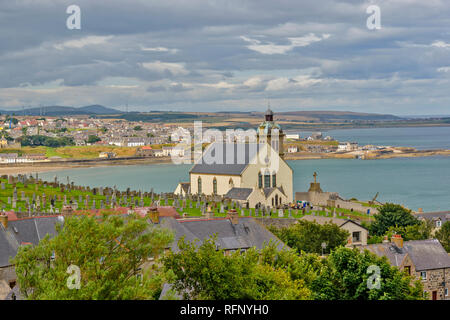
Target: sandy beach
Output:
[(29, 169)]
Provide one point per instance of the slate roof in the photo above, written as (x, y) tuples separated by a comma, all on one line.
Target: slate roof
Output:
[(185, 186), (8, 247), (230, 164), (238, 193), (425, 254), (245, 234), (323, 220), (442, 215), (24, 231), (32, 230), (268, 191)]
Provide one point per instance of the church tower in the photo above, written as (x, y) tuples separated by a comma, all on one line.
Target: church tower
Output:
[(270, 132)]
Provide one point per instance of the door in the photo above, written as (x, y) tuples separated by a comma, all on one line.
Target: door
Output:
[(434, 295)]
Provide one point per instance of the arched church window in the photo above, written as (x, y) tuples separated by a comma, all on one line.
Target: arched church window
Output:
[(215, 186), (199, 185), (259, 180), (231, 183), (274, 180)]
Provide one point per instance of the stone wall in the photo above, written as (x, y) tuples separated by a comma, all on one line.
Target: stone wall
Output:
[(8, 274), (434, 282)]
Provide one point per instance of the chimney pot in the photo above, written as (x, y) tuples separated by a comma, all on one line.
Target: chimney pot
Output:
[(154, 214), (398, 240), (233, 216)]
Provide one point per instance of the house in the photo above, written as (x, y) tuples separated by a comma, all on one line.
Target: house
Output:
[(233, 234), (16, 232), (347, 146), (258, 166), (183, 189), (173, 152), (292, 136), (133, 142), (358, 234), (425, 260), (8, 157), (145, 151), (107, 155), (292, 149), (158, 153), (436, 218)]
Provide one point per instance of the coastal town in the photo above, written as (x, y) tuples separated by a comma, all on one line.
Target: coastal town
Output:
[(224, 159), (245, 206), (61, 139)]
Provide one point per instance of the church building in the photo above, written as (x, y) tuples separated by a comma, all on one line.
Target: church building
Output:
[(254, 174)]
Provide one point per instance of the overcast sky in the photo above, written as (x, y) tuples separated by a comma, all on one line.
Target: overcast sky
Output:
[(220, 55)]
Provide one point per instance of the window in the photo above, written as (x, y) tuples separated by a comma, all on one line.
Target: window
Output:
[(199, 191), (423, 275), (446, 292), (259, 180), (266, 180), (231, 183), (215, 186), (438, 223), (356, 236), (274, 180)]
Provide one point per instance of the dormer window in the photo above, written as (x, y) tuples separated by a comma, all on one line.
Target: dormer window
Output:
[(438, 223)]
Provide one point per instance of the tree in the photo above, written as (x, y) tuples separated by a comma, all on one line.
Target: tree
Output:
[(346, 276), (308, 236), (420, 231), (93, 139), (137, 128), (108, 250), (392, 215), (39, 140), (443, 235), (205, 272)]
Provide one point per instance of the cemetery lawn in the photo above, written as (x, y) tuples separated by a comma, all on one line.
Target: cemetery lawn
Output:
[(38, 190)]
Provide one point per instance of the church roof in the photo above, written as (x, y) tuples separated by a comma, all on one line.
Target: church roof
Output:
[(239, 193), (233, 158)]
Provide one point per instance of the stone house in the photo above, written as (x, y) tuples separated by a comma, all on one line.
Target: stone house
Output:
[(436, 218), (425, 260), (358, 234)]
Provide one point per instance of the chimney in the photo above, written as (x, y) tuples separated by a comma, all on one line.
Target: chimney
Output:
[(154, 214), (4, 220), (398, 240), (233, 216)]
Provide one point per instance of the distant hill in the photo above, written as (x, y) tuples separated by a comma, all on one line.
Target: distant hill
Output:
[(340, 115), (54, 111)]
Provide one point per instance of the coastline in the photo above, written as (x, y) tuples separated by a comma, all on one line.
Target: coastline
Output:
[(37, 167)]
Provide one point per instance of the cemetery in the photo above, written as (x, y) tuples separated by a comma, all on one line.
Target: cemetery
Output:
[(29, 196)]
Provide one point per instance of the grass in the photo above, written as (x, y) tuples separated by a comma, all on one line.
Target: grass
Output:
[(50, 192)]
